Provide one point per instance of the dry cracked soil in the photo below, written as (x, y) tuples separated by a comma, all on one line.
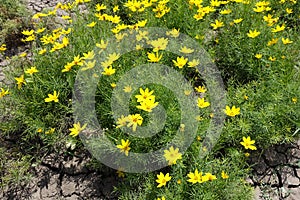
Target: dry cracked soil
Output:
[(65, 177)]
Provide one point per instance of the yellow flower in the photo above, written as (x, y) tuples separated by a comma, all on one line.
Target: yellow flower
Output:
[(278, 28), (199, 118), (193, 63), (199, 138), (141, 23), (2, 47), (186, 50), (113, 85), (23, 54), (173, 33), (66, 17), (294, 99), (106, 63), (20, 81), (3, 93), (201, 89), (154, 57), (199, 37), (272, 58), (27, 32), (65, 41), (29, 38), (120, 36), (134, 120), (137, 25), (138, 47), (209, 9), (39, 130), (202, 103), (232, 111), (66, 32), (161, 10), (199, 16), (31, 70), (89, 55), (92, 24), (162, 179), (182, 127), (261, 9), (262, 3), (118, 28), (76, 129), (124, 146), (114, 19), (286, 41), (144, 95), (122, 121), (195, 177), (172, 155), (236, 21), (50, 131), (147, 105), (52, 97), (102, 44), (42, 51), (209, 177), (67, 67), (108, 71), (258, 56), (88, 65), (113, 57), (81, 1), (159, 44), (253, 34), (134, 6), (127, 89), (40, 30), (224, 175), (162, 198), (217, 24), (115, 8), (273, 41), (187, 92), (271, 21), (226, 12), (120, 173), (100, 7), (180, 62), (289, 10), (38, 15), (248, 143), (215, 3), (57, 45), (142, 35), (53, 12)]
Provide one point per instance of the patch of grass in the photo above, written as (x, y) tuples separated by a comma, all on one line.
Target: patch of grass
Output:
[(13, 19), (84, 57)]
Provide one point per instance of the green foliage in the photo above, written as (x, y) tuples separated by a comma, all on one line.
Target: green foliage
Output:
[(12, 19), (13, 168), (265, 89)]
